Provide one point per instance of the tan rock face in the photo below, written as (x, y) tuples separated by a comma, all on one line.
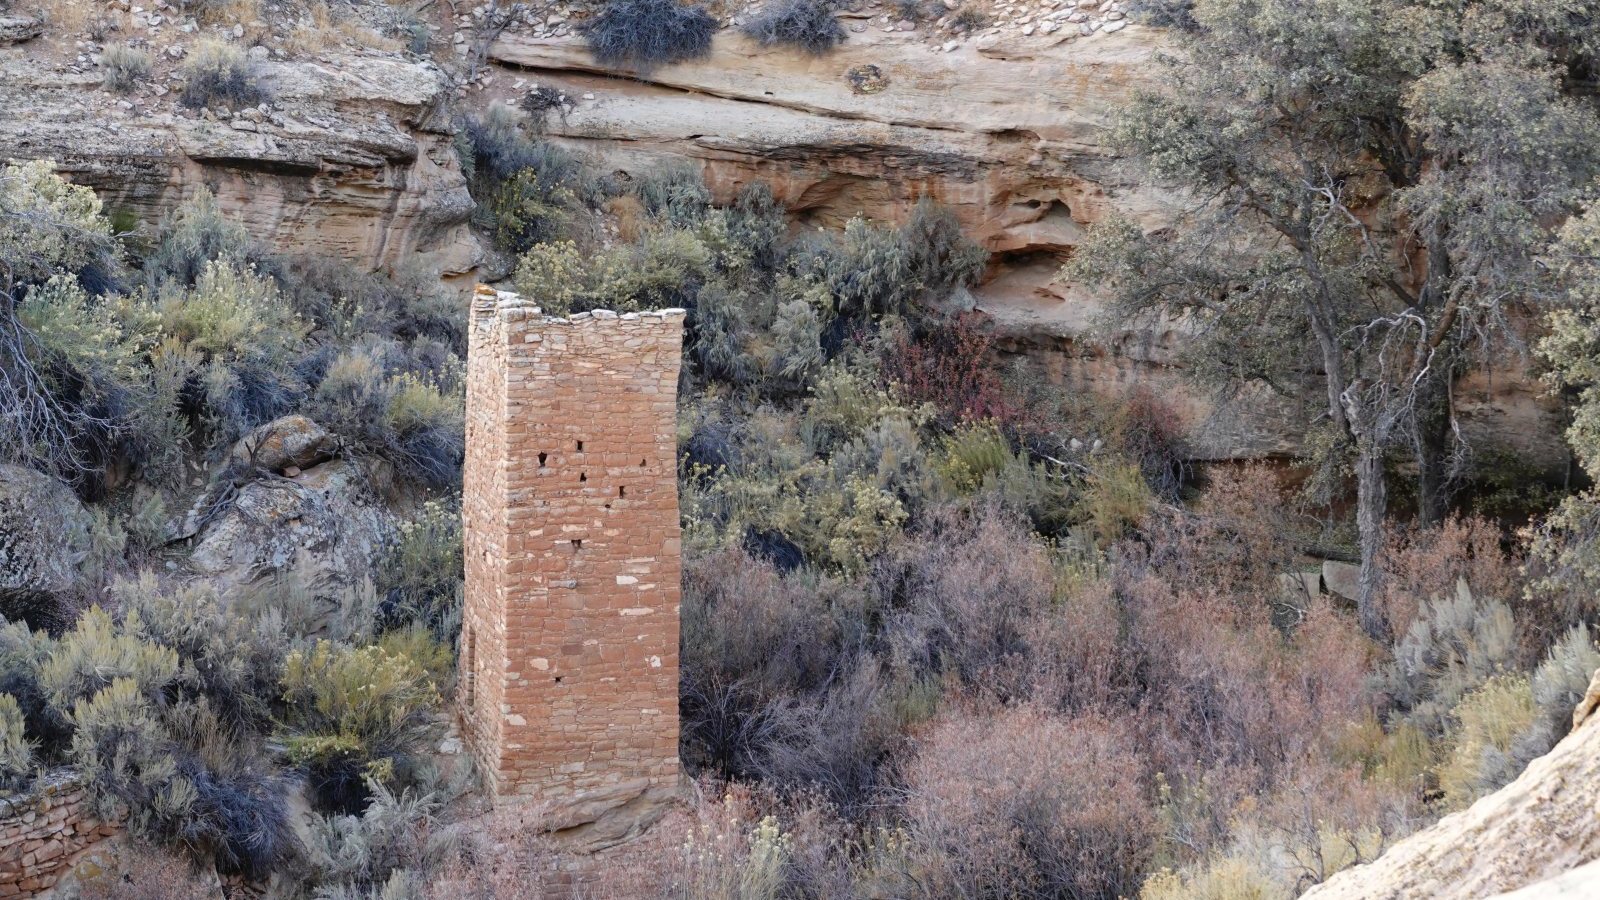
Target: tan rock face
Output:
[(1010, 138), (346, 163), (1545, 823)]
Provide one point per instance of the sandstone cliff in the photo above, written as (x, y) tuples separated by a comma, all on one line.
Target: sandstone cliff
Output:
[(347, 160)]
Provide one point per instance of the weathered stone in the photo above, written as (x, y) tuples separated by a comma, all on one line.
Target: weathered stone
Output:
[(16, 28), (292, 441), (321, 532), (44, 536), (1342, 579)]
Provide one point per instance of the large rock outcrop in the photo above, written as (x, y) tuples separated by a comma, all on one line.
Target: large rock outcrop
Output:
[(1540, 827), (319, 531), (347, 160), (44, 537)]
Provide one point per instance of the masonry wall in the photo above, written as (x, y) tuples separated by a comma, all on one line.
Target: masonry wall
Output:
[(570, 634), (42, 832)]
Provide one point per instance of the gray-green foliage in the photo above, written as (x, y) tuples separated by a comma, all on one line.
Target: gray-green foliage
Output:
[(231, 659), (362, 856), (16, 750), (198, 233), (1454, 646), (99, 652), (874, 270), (124, 66), (62, 391)]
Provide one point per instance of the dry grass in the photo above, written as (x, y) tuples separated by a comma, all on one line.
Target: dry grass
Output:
[(146, 873), (68, 17)]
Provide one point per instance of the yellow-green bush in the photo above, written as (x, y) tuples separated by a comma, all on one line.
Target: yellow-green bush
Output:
[(243, 340), (353, 714), (1483, 752), (97, 652)]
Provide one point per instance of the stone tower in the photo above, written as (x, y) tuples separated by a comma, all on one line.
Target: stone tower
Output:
[(569, 642)]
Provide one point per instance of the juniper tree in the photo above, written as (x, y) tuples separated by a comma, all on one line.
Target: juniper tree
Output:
[(1373, 178)]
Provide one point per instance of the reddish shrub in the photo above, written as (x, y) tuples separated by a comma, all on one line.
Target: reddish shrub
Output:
[(969, 587), (950, 366), (1021, 803), (1424, 564)]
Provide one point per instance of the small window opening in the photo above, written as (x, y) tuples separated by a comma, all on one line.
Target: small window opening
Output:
[(580, 446), (622, 491), (542, 458), (558, 679), (583, 476), (577, 543)]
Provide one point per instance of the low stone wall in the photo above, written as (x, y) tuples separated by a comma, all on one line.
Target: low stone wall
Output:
[(43, 831)]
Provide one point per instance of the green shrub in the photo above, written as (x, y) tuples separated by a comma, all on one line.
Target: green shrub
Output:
[(71, 381), (664, 268), (354, 716), (528, 190), (23, 653), (402, 416), (49, 226), (1484, 755), (873, 270), (1562, 679), (674, 194), (373, 854), (1454, 646), (196, 235), (181, 780), (220, 75), (524, 210), (16, 751), (227, 658), (645, 34), (92, 358), (244, 343), (124, 66), (421, 576), (97, 653), (806, 25)]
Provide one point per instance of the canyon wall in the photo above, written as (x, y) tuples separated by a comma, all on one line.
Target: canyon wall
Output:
[(350, 160)]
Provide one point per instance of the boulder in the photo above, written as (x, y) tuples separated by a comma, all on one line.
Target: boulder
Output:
[(290, 442), (321, 533), (1342, 579), (1299, 588), (44, 537)]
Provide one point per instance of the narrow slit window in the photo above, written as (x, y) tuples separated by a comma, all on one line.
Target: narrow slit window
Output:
[(622, 491), (580, 446), (542, 458)]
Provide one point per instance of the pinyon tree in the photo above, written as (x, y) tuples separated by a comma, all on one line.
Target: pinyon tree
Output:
[(1375, 178)]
